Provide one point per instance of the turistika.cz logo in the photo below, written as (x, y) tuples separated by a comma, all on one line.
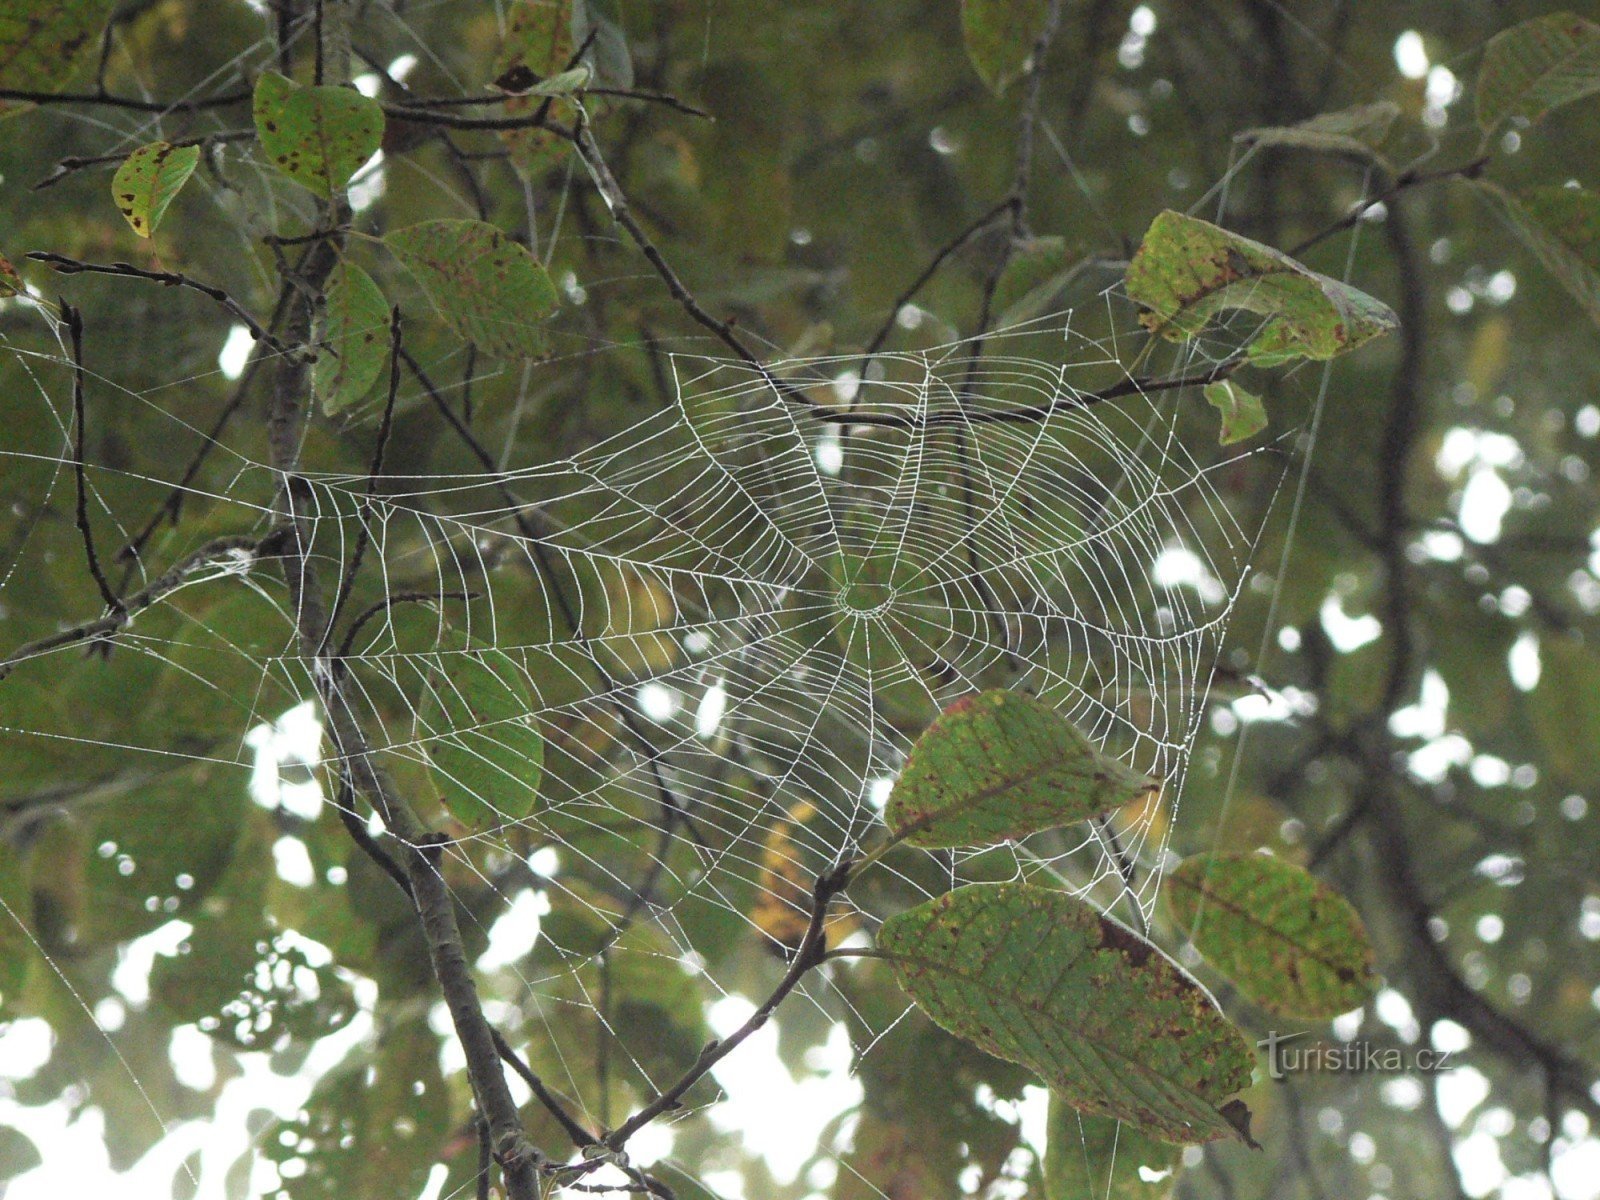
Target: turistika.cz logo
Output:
[(1284, 1059)]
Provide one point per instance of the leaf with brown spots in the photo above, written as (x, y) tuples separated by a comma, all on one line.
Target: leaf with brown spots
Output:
[(1112, 1025), (1003, 765), (354, 341), (486, 286), (537, 46), (1187, 271), (1289, 942), (148, 180), (317, 136), (40, 41)]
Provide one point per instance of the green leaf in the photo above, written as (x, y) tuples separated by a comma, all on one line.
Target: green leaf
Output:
[(1561, 233), (317, 136), (40, 40), (485, 752), (1537, 66), (148, 180), (1000, 36), (488, 288), (1109, 1023), (18, 1154), (1003, 765), (1290, 942), (1357, 131), (1090, 1156), (563, 84), (1188, 270), (1243, 415), (354, 342)]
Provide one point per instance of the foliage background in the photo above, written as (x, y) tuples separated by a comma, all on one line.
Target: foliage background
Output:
[(1429, 663)]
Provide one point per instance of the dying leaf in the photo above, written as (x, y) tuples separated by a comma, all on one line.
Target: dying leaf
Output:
[(1109, 1023), (149, 180), (1289, 942), (1187, 271), (1243, 415), (783, 893), (317, 136), (1537, 66), (1002, 765), (486, 286), (354, 340)]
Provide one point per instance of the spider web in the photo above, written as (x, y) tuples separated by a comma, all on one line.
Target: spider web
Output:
[(732, 619)]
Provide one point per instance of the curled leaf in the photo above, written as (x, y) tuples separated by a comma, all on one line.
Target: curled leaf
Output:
[(1187, 270), (1040, 978), (148, 180), (1243, 415), (1357, 132), (1003, 765), (1289, 941)]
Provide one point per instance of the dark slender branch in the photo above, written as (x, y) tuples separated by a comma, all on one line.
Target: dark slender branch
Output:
[(74, 322), (928, 272), (157, 589), (1403, 182), (485, 1155), (130, 103), (69, 165), (617, 201), (580, 1137), (644, 94), (71, 266), (345, 803), (811, 953), (1032, 412), (672, 807), (387, 603), (363, 534)]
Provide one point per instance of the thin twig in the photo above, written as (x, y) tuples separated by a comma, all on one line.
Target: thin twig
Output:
[(112, 622), (74, 322), (363, 533), (71, 266), (130, 103), (811, 953), (67, 166)]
